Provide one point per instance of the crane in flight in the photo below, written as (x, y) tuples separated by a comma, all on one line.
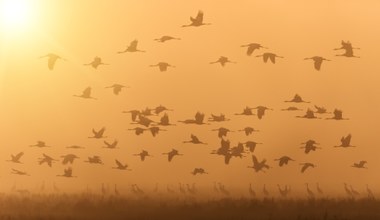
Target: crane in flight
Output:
[(143, 154), (198, 171), (246, 111), (360, 164), (261, 111), (269, 56), (52, 59), (310, 146), (112, 145), (96, 62), (251, 145), (94, 160), (69, 158), (165, 38), (68, 172), (116, 88), (164, 120), (198, 119), (162, 66), (308, 115), (297, 99), (249, 130), (16, 158), (40, 144), (194, 140), (317, 61), (284, 160), (197, 21), (222, 132), (75, 147), (18, 172), (348, 49), (338, 115), (132, 47), (222, 60), (98, 134), (346, 141), (121, 166), (305, 166), (251, 47), (259, 166), (46, 159), (86, 94), (171, 154), (218, 118)]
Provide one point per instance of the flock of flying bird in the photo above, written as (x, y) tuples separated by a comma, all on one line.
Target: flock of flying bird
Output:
[(144, 123)]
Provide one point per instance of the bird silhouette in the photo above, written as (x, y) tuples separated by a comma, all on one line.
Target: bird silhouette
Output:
[(132, 47), (271, 56), (192, 190), (143, 154), (68, 172), (110, 145), (261, 111), (251, 47), (171, 154), (161, 108), (246, 111), (249, 130), (345, 141), (134, 114), (162, 66), (310, 146), (75, 147), (18, 172), (46, 159), (198, 171), (98, 134), (347, 190), (320, 109), (222, 132), (348, 49), (94, 160), (238, 150), (284, 160), (218, 118), (223, 190), (165, 38), (259, 166), (297, 99), (354, 192), (86, 94), (199, 118), (251, 145), (370, 193), (121, 166), (291, 108), (197, 21), (138, 130), (52, 59), (222, 60), (155, 130), (116, 88), (308, 115), (69, 158), (285, 191), (143, 120), (305, 166), (16, 158), (309, 192), (194, 140), (251, 191), (360, 164), (338, 115), (224, 150), (40, 144), (317, 61), (96, 62), (164, 120)]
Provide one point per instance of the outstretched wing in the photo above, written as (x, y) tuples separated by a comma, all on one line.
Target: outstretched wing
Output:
[(255, 161), (133, 45), (18, 156), (199, 17), (118, 163), (317, 64)]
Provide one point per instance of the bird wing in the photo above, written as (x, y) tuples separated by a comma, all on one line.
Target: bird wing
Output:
[(119, 164), (199, 17), (116, 90), (254, 160), (250, 50), (317, 64), (272, 58), (194, 138), (170, 156), (66, 159), (19, 155), (304, 167), (133, 44), (101, 131), (260, 113), (87, 92), (51, 62), (163, 67)]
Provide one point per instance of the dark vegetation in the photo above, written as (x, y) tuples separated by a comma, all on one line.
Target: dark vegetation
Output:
[(87, 206)]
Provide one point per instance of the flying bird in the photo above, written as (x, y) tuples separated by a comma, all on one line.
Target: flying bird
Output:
[(338, 115), (138, 130), (94, 160), (134, 114), (251, 145), (346, 141), (271, 56), (222, 60), (40, 144), (161, 108), (199, 118), (261, 111), (46, 159), (252, 47), (18, 172), (284, 160), (162, 66), (154, 130), (68, 172), (320, 109), (360, 164), (297, 99), (310, 146), (172, 153), (110, 145), (218, 118), (194, 140), (309, 115), (98, 134), (121, 166), (96, 62), (291, 108), (164, 120), (348, 49), (198, 171), (249, 130), (197, 21), (305, 166), (75, 147), (317, 61), (246, 111), (16, 158), (52, 59), (259, 166), (132, 47), (222, 132), (165, 38), (143, 154), (69, 158), (86, 94), (116, 88)]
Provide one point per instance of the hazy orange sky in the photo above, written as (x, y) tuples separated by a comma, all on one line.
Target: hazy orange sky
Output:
[(38, 104)]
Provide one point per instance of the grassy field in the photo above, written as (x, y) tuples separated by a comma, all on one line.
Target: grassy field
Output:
[(87, 206)]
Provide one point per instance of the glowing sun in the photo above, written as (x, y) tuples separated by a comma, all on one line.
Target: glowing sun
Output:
[(15, 14)]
